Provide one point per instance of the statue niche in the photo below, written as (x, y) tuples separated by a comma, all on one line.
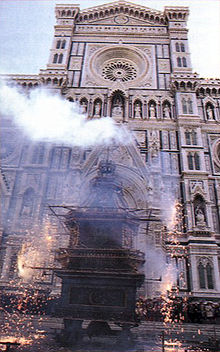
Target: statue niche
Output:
[(138, 109), (199, 212), (117, 107), (97, 108)]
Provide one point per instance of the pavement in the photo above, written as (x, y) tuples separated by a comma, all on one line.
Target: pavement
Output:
[(37, 334)]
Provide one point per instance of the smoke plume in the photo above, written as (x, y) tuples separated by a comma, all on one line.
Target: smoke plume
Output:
[(46, 116)]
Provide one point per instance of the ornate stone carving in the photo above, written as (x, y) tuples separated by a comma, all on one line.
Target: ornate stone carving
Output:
[(154, 143)]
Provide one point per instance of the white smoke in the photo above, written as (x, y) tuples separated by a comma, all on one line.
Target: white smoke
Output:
[(46, 116), (157, 268)]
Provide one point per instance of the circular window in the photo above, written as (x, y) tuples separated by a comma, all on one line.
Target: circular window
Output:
[(119, 70), (119, 63)]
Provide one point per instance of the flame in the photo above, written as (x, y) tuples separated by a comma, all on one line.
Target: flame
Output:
[(37, 252), (12, 339)]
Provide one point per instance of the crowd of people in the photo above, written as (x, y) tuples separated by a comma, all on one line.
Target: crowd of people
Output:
[(178, 310)]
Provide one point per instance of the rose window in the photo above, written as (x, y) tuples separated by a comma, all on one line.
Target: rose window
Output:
[(119, 70)]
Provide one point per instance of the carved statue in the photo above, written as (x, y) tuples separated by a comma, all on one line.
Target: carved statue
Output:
[(200, 218), (152, 111), (83, 107), (166, 111), (97, 109), (210, 114), (137, 111)]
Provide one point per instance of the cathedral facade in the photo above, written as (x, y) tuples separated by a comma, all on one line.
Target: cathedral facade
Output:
[(131, 63)]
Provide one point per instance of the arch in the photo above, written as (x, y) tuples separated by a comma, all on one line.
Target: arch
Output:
[(63, 13), (55, 81), (30, 85), (136, 13), (68, 13), (70, 99), (214, 91), (182, 85), (48, 81), (189, 85)]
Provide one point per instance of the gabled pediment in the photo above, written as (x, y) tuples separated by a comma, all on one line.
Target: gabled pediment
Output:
[(121, 12), (121, 20)]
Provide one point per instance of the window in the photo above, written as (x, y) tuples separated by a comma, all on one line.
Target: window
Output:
[(179, 62), (182, 47), (190, 161), (187, 106), (201, 271), (205, 272), (188, 137), (184, 106), (209, 276), (55, 58), (191, 137), (197, 161), (63, 44), (184, 62), (194, 137), (38, 155), (58, 44), (177, 47), (60, 59), (193, 161), (190, 106)]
